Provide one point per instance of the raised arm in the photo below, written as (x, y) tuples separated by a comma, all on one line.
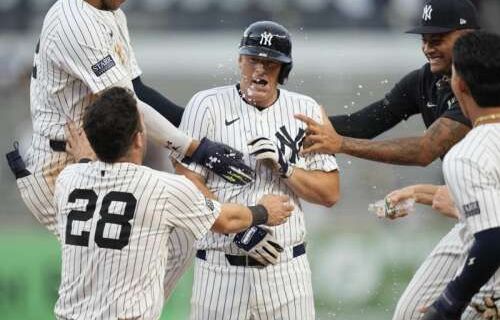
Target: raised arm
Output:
[(437, 140)]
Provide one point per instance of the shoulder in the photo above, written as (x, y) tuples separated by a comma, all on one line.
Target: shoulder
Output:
[(300, 102), (210, 98), (172, 184), (70, 171), (77, 21)]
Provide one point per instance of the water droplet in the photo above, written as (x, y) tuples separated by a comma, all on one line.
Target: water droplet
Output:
[(360, 86)]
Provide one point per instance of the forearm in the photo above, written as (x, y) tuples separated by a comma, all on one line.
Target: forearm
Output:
[(438, 139), (233, 218), (168, 109), (315, 186), (162, 132), (404, 151)]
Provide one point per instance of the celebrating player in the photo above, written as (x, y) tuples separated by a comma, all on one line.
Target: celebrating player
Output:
[(241, 276), (84, 48), (115, 216), (426, 91), (472, 172)]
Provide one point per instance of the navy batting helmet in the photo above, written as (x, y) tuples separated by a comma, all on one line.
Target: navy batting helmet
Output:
[(270, 40)]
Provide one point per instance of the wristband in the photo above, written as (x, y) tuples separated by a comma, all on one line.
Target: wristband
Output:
[(84, 160), (259, 214)]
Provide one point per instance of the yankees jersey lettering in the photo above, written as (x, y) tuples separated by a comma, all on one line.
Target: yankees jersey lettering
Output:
[(115, 221), (81, 51), (220, 114)]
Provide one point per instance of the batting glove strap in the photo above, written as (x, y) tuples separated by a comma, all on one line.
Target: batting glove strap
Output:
[(223, 160), (266, 149)]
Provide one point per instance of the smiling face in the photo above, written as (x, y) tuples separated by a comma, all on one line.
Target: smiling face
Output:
[(438, 50), (259, 80)]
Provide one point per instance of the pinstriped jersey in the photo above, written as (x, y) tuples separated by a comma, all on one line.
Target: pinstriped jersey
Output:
[(220, 114), (81, 51), (472, 172), (114, 221)]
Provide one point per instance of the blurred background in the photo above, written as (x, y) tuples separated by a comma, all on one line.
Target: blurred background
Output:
[(347, 53)]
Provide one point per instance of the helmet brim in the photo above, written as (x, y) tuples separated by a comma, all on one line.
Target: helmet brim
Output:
[(265, 53)]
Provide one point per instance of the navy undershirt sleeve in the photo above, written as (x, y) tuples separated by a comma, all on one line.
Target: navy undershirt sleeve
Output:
[(169, 110), (481, 264), (399, 104)]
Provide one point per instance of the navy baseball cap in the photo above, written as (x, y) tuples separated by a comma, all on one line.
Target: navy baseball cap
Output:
[(441, 16)]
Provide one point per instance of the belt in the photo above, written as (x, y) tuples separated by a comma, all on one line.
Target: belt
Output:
[(247, 261), (58, 145)]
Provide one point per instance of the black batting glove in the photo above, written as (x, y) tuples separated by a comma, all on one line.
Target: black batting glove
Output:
[(223, 160)]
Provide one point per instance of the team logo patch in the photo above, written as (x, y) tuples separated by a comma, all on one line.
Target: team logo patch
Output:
[(471, 209), (104, 65), (210, 204), (293, 144)]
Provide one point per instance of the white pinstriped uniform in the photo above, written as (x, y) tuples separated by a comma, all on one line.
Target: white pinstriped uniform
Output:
[(76, 39), (222, 291), (75, 36), (115, 221), (472, 173)]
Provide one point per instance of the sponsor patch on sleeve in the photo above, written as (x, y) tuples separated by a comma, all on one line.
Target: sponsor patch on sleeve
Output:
[(471, 209), (104, 65)]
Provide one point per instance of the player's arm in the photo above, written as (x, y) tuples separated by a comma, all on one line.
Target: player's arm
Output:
[(315, 186), (316, 182), (380, 116), (168, 109), (437, 140), (233, 218)]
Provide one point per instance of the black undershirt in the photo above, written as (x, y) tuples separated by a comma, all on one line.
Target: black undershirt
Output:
[(420, 91)]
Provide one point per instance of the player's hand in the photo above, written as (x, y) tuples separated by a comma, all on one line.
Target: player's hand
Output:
[(278, 208), (260, 244), (77, 144), (443, 203), (223, 160), (320, 138), (488, 309), (396, 197), (265, 149)]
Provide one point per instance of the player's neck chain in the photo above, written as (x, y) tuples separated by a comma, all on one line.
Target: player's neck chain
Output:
[(481, 120)]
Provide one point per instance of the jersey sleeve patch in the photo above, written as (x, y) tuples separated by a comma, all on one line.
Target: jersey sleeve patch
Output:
[(210, 204), (471, 209), (103, 65)]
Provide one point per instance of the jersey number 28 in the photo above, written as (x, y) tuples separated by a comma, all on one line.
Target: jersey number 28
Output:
[(123, 220)]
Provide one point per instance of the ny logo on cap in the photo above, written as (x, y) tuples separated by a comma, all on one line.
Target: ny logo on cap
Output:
[(265, 38), (426, 15)]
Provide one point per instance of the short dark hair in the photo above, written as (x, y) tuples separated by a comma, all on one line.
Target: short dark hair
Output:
[(476, 58), (111, 122)]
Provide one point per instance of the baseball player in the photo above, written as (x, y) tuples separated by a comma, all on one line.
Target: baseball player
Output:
[(115, 217), (426, 91), (84, 48), (472, 173), (243, 276)]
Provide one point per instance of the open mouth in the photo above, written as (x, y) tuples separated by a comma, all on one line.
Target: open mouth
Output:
[(260, 82)]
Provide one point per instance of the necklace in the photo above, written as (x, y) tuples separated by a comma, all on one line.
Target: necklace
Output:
[(480, 120)]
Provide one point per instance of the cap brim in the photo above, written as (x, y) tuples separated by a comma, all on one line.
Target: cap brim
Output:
[(265, 53), (429, 30)]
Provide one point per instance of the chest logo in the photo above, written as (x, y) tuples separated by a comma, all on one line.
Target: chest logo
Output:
[(293, 144), (265, 38), (427, 14)]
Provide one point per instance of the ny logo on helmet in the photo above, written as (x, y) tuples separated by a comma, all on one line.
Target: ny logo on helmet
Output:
[(427, 14), (265, 38)]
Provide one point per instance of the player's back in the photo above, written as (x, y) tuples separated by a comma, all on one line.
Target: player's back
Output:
[(114, 221)]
